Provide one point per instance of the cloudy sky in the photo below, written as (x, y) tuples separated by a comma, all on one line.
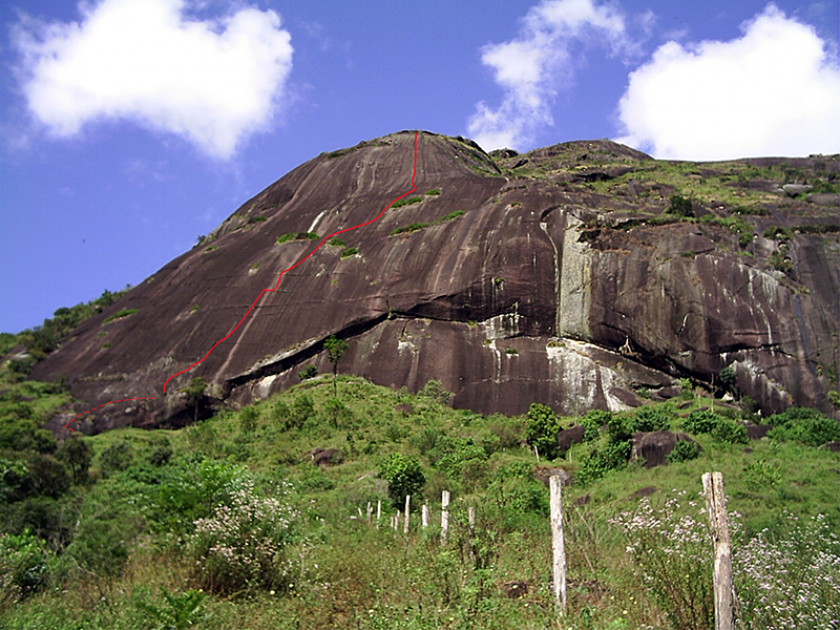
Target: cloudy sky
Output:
[(129, 127)]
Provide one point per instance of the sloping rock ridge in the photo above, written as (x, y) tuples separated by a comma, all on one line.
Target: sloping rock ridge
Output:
[(556, 276)]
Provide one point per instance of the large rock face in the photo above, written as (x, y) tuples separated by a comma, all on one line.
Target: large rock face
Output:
[(556, 285)]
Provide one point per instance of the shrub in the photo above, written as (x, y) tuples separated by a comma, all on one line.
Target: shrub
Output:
[(338, 413), (404, 476), (806, 426), (414, 227), (297, 236), (349, 251), (303, 410), (406, 202), (450, 216), (761, 474), (683, 451), (703, 421), (613, 456), (653, 418), (116, 458), (190, 492), (592, 423), (730, 432), (242, 546), (782, 583), (777, 233), (672, 551), (336, 242), (434, 389), (680, 206), (541, 429), (23, 566), (123, 313), (248, 419), (310, 371), (433, 192), (178, 611)]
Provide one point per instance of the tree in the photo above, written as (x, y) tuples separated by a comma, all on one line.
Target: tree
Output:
[(404, 476), (195, 392), (541, 429), (335, 349), (76, 454)]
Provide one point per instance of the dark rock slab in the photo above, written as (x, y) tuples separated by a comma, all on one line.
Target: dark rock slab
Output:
[(506, 304), (655, 446)]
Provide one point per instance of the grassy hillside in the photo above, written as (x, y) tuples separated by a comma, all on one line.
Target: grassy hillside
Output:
[(228, 524)]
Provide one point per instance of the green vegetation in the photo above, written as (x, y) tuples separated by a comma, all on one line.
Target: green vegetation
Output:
[(255, 266), (228, 519), (335, 348), (297, 236), (310, 371), (257, 219), (120, 314), (211, 248), (407, 201), (194, 308), (408, 229), (680, 206), (336, 242), (450, 216), (433, 192), (349, 251)]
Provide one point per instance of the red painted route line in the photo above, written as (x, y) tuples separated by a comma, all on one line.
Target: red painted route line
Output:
[(264, 291), (110, 402)]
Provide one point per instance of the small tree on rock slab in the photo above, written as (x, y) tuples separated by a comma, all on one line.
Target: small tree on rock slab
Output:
[(335, 350)]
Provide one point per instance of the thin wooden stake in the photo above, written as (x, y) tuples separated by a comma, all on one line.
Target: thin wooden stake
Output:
[(558, 545), (424, 515), (369, 512), (407, 513), (378, 512), (719, 525), (444, 516)]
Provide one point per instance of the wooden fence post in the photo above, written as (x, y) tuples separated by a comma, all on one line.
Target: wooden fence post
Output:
[(719, 525), (558, 544), (369, 512), (444, 516), (407, 512), (425, 515), (378, 512)]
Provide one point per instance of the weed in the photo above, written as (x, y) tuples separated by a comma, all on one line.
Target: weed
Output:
[(349, 251), (433, 192)]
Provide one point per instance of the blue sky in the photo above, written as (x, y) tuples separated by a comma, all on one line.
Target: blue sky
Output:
[(129, 127)]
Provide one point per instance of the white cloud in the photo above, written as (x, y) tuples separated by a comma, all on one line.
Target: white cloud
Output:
[(541, 59), (774, 91), (214, 82)]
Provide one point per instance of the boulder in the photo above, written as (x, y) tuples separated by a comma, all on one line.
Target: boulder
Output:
[(655, 446), (326, 457), (514, 590), (641, 493), (404, 409), (757, 431), (567, 437), (833, 446), (544, 473)]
